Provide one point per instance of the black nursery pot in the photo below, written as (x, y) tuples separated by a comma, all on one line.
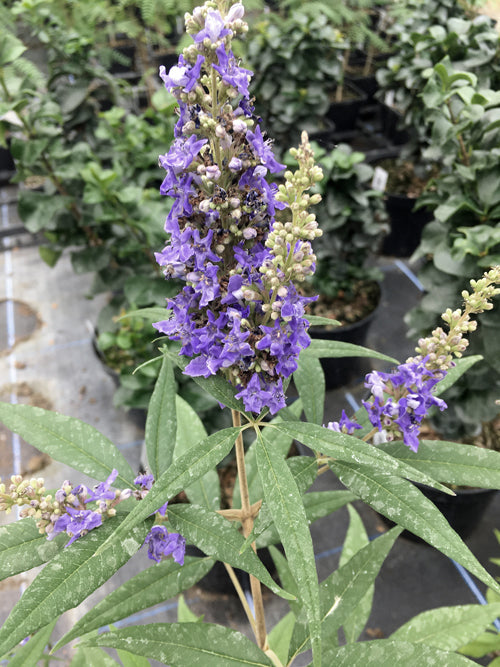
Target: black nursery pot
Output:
[(390, 125), (406, 225), (343, 371), (463, 511), (7, 166), (345, 114)]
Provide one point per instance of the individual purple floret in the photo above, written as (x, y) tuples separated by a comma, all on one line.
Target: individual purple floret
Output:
[(103, 491), (344, 425), (162, 543)]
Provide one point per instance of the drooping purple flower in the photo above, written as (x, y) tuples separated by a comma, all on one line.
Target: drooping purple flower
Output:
[(344, 425), (103, 491), (235, 76), (214, 28), (76, 522), (162, 543), (182, 75), (264, 151)]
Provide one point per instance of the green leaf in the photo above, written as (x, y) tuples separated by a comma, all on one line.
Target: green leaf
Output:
[(97, 657), (451, 462), (70, 577), (156, 584), (461, 367), (182, 644), (22, 547), (280, 635), (356, 538), (184, 613), (310, 382), (387, 651), (349, 448), (10, 49), (90, 259), (49, 255), (343, 590), (219, 538), (131, 660), (285, 577), (287, 509), (190, 431), (153, 314), (185, 470), (337, 349), (30, 653), (485, 643), (400, 501), (161, 422), (318, 321), (448, 628), (69, 441)]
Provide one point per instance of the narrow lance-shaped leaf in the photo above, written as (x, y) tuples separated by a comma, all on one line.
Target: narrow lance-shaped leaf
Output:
[(400, 501), (22, 547), (448, 628), (190, 431), (287, 509), (183, 472), (33, 650), (220, 539), (451, 462), (310, 382), (182, 644), (336, 349), (343, 590), (68, 440), (69, 579), (461, 366), (349, 448), (161, 423), (151, 586), (390, 652)]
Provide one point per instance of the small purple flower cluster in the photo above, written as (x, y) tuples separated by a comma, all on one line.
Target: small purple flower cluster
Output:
[(229, 317), (72, 515), (160, 542), (402, 399), (344, 425)]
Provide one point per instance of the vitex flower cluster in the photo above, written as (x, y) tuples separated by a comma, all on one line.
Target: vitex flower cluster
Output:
[(240, 313), (403, 398), (77, 510)]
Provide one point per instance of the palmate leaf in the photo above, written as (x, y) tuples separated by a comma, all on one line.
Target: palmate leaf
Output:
[(310, 382), (448, 628), (343, 590), (161, 422), (287, 509), (220, 539), (68, 440), (182, 644), (152, 586), (349, 448), (451, 462), (183, 472), (387, 651), (68, 579), (22, 547), (399, 500)]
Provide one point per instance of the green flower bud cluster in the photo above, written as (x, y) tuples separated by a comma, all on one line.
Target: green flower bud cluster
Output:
[(440, 347), (290, 242)]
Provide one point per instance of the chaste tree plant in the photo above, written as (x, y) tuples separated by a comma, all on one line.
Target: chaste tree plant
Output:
[(238, 327)]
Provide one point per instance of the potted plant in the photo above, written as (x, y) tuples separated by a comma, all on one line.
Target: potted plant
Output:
[(353, 220), (108, 524), (463, 236)]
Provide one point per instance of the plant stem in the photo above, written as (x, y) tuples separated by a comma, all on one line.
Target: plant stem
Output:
[(241, 595), (247, 523)]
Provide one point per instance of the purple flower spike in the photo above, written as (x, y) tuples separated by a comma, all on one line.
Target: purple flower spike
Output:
[(264, 151), (235, 76), (214, 28)]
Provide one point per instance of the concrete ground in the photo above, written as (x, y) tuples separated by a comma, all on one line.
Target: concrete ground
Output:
[(46, 359)]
